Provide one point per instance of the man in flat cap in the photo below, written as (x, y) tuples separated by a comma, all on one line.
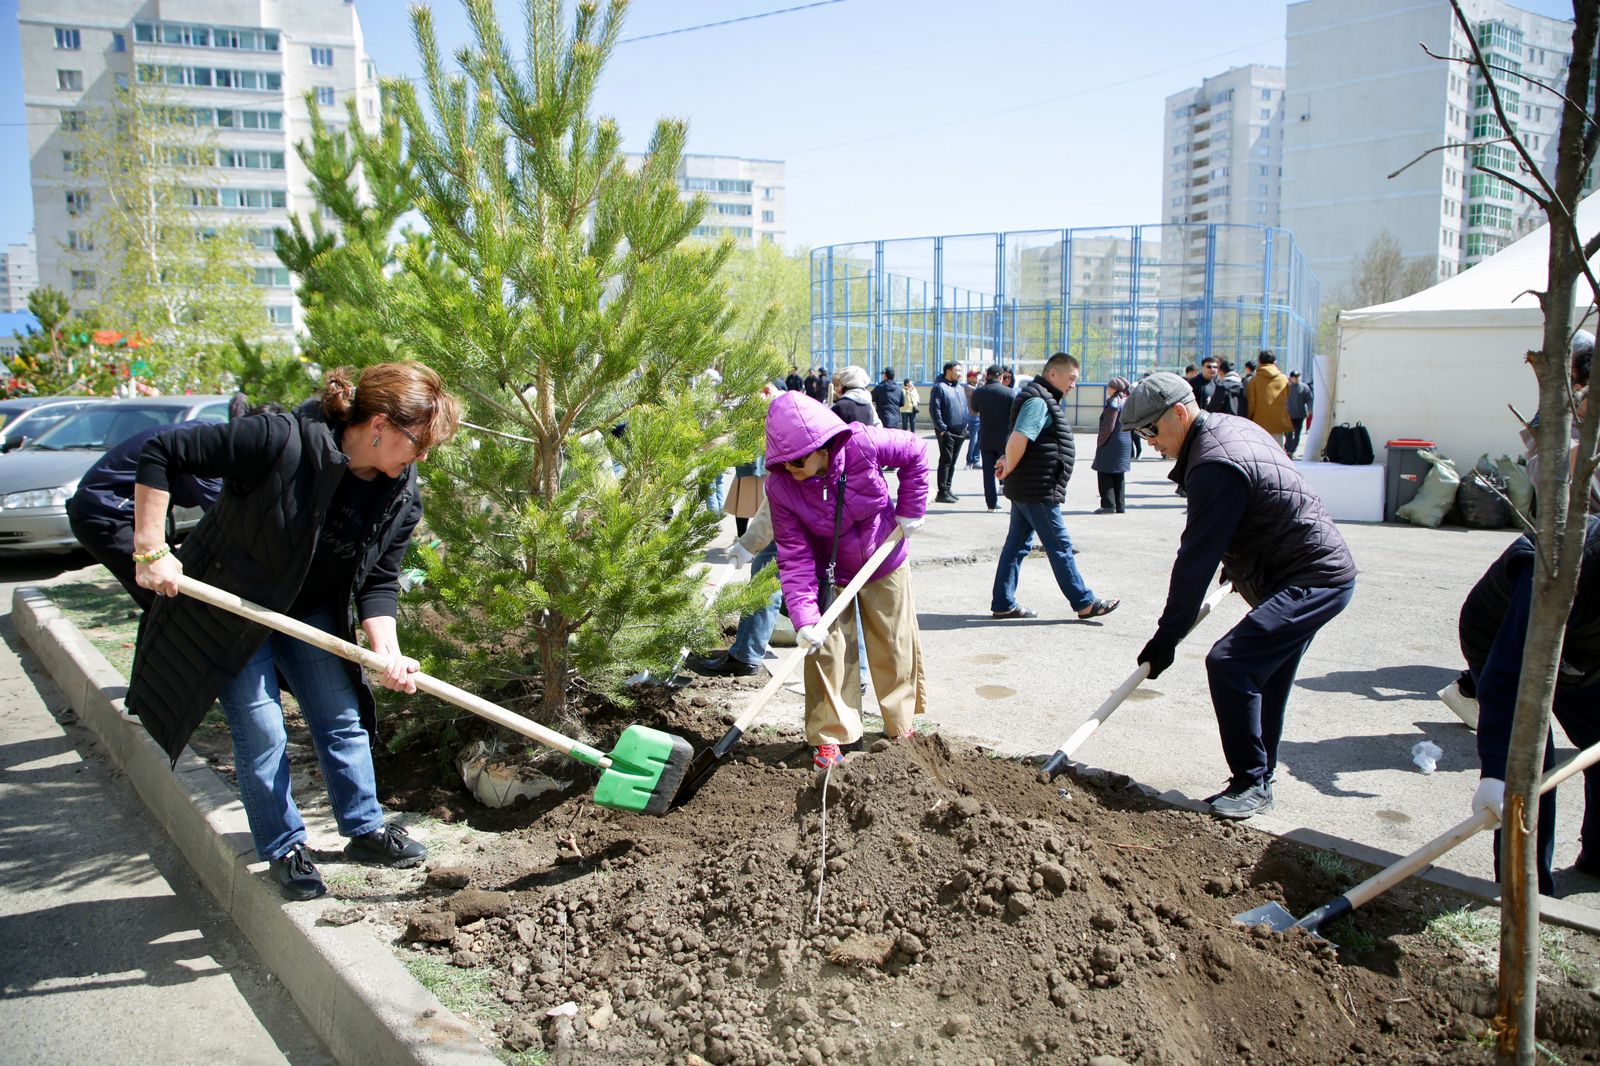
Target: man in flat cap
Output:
[(1250, 511)]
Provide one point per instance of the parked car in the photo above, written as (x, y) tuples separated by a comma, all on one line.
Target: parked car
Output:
[(37, 481), (26, 417)]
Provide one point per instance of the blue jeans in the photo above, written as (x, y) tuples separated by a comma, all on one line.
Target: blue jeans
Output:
[(1027, 518), (328, 702), (972, 441), (719, 494), (755, 628)]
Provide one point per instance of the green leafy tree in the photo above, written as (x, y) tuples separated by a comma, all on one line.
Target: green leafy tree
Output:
[(267, 374), (365, 181), (771, 293), (168, 268), (597, 355), (60, 355)]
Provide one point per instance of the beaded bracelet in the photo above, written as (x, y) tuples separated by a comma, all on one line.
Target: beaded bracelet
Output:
[(146, 558)]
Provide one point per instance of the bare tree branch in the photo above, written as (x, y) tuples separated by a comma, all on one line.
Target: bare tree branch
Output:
[(1508, 179), (1441, 148), (1500, 107), (1507, 70)]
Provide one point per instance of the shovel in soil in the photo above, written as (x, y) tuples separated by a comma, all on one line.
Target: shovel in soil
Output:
[(1278, 919), (642, 773), (706, 762), (1063, 756)]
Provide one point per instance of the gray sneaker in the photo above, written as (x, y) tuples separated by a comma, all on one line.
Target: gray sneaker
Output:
[(1241, 803)]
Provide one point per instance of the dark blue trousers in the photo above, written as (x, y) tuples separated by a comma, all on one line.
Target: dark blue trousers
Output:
[(991, 493), (1252, 669)]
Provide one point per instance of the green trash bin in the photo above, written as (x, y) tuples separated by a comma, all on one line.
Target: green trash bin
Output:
[(1405, 470)]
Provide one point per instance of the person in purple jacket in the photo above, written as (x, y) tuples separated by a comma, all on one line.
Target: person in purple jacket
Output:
[(827, 476)]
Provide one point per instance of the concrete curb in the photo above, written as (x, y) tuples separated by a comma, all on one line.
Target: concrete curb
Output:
[(1555, 911), (358, 998)]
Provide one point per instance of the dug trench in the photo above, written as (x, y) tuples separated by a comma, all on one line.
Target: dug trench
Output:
[(956, 910)]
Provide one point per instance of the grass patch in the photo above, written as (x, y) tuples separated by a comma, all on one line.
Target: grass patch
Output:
[(522, 1058), (1347, 934), (1464, 927), (1334, 867), (1553, 946), (105, 614), (465, 991)]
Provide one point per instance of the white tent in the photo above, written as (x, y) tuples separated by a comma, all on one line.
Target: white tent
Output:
[(1443, 363)]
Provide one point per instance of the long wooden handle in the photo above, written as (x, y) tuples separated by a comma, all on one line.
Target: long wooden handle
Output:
[(293, 627), (792, 662), (1484, 819), (1142, 671)]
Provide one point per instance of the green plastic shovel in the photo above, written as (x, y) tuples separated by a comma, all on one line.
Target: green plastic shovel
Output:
[(642, 773)]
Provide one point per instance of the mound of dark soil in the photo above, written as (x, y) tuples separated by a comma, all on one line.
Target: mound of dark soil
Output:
[(953, 910)]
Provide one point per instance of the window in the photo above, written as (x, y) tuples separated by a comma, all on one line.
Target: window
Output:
[(69, 40), (325, 95), (1266, 94), (71, 162), (322, 57), (82, 280), (1266, 112), (119, 42), (272, 277), (80, 241), (72, 121), (1264, 151), (1263, 190), (264, 239), (280, 315), (69, 81), (716, 185), (77, 202), (249, 159), (766, 192), (732, 209), (767, 216), (248, 199)]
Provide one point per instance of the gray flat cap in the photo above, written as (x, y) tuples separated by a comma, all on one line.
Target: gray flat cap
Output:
[(1152, 397)]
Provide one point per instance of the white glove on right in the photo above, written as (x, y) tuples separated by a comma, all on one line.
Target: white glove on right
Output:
[(811, 638), (1491, 796), (909, 526), (739, 557)]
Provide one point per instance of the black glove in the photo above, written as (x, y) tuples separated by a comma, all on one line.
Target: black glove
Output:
[(1158, 653)]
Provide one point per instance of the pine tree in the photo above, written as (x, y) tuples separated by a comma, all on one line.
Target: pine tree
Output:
[(592, 343)]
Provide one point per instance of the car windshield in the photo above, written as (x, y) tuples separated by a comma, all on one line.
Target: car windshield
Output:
[(103, 426)]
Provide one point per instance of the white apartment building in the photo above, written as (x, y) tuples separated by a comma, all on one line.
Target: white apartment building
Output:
[(244, 66), (1223, 149), (1364, 101), (19, 274), (747, 196)]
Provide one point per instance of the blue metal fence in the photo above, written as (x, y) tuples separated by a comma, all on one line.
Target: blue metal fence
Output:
[(1126, 300)]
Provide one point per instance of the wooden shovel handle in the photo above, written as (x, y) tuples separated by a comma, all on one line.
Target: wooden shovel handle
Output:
[(293, 627), (792, 662), (1142, 671), (1387, 878)]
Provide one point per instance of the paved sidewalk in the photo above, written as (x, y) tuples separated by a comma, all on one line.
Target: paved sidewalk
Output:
[(110, 950)]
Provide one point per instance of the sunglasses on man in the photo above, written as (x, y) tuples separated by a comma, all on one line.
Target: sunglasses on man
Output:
[(1148, 431)]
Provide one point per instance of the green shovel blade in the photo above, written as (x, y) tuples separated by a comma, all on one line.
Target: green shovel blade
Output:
[(647, 766)]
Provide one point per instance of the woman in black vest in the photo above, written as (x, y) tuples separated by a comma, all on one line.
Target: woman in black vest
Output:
[(316, 512)]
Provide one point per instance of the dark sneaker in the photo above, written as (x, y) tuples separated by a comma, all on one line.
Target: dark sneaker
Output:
[(1015, 612), (297, 875), (1588, 862), (722, 666), (944, 497), (390, 846), (1240, 803)]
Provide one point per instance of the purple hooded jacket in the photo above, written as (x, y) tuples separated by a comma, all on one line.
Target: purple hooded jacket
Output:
[(802, 511)]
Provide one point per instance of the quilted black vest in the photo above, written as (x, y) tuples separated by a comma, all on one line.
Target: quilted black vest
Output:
[(1485, 608), (1286, 537), (256, 542), (1046, 466)]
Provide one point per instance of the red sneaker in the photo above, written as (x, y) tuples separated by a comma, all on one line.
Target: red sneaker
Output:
[(827, 755)]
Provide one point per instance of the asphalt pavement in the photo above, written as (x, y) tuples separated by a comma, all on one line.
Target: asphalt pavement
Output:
[(110, 949)]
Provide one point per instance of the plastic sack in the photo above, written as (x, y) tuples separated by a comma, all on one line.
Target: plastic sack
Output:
[(1480, 498), (1425, 753), (1437, 494), (1519, 485)]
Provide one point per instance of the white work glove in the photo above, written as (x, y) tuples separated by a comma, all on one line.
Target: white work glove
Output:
[(1491, 796), (811, 638), (739, 556), (909, 526)]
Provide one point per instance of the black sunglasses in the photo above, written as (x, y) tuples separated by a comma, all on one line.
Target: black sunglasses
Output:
[(1148, 432)]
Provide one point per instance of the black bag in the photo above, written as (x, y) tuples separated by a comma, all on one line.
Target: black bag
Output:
[(1350, 445)]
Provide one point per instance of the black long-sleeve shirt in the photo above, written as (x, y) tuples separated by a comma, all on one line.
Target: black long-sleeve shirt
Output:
[(1217, 497)]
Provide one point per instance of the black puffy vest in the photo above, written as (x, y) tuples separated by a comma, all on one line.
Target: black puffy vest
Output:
[(256, 543), (1485, 608), (1286, 537), (1046, 466)]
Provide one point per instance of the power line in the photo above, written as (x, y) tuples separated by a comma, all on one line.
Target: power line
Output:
[(624, 40)]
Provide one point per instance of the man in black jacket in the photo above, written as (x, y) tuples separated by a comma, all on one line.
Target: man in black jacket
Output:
[(1036, 467), (1493, 627), (887, 396), (992, 404), (1206, 383), (1252, 512), (1227, 397), (949, 410), (1299, 402)]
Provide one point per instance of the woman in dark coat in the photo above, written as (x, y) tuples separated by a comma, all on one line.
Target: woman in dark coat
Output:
[(1113, 453), (316, 511)]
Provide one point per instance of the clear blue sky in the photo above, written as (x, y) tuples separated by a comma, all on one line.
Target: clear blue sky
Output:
[(896, 118)]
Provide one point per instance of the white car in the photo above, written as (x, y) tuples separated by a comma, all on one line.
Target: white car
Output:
[(26, 417), (36, 481)]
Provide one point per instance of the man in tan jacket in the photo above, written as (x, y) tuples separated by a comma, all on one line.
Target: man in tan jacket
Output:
[(1267, 398)]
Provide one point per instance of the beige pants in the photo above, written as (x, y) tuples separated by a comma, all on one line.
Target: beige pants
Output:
[(894, 655)]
